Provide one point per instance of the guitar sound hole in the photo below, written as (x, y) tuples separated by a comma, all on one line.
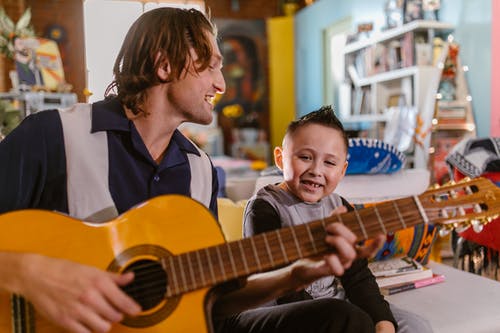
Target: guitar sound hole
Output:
[(149, 285)]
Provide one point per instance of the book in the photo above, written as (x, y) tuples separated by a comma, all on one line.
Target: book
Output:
[(394, 289), (394, 266), (412, 276)]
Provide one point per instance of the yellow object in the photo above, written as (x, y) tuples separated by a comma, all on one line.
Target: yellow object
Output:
[(281, 76), (87, 92), (231, 218), (232, 111), (290, 8), (258, 165)]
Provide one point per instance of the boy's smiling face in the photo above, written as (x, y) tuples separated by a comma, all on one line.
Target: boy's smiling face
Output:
[(313, 161)]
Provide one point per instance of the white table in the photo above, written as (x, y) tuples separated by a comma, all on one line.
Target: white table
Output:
[(358, 189), (465, 302)]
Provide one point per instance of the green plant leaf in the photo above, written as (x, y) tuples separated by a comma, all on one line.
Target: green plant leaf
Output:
[(24, 21), (6, 23)]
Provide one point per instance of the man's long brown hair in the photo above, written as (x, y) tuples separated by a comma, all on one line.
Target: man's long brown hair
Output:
[(159, 37)]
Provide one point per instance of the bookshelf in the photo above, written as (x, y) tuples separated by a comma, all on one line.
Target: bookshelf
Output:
[(396, 68)]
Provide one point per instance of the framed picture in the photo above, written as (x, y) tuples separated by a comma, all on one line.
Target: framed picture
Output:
[(413, 10)]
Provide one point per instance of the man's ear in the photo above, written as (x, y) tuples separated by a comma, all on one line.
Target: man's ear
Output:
[(164, 69), (278, 157)]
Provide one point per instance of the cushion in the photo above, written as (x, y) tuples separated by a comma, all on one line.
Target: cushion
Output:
[(231, 218), (415, 242), (372, 156)]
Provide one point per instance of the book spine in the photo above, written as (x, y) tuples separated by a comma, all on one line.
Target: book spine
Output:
[(386, 291), (432, 280)]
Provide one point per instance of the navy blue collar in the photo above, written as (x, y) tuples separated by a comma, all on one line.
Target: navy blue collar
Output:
[(109, 115)]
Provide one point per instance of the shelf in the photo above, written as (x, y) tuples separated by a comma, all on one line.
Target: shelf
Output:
[(33, 101), (395, 32), (454, 127), (366, 118), (452, 104), (389, 76)]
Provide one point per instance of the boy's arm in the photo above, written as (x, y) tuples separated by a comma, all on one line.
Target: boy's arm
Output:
[(263, 287), (259, 217), (359, 282)]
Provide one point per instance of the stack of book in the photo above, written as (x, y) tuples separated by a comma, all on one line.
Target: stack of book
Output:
[(400, 274)]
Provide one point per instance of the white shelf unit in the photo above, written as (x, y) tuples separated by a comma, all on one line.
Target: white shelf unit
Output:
[(372, 87), (383, 36)]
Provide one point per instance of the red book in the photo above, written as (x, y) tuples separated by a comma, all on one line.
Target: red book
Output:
[(390, 290)]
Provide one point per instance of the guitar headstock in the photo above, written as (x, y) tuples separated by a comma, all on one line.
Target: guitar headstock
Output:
[(469, 202)]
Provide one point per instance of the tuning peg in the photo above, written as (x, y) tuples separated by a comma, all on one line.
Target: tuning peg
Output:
[(464, 180), (489, 219), (474, 222), (461, 228), (449, 183), (478, 228), (434, 186), (443, 232), (477, 225)]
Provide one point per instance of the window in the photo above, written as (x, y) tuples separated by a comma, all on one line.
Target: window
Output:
[(106, 23)]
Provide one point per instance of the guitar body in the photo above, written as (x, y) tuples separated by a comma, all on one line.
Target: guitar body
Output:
[(160, 227), (177, 251)]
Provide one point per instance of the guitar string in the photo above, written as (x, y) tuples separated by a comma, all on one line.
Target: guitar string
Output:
[(398, 223), (390, 223)]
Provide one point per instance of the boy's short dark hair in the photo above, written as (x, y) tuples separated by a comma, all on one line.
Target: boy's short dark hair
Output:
[(324, 116)]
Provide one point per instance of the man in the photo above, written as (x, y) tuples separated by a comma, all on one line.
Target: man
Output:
[(97, 161)]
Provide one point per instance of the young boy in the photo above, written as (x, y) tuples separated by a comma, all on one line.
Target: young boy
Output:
[(314, 160)]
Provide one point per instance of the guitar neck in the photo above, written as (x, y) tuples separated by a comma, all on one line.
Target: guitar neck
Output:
[(210, 266)]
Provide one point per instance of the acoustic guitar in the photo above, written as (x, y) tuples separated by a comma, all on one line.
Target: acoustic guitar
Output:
[(178, 252)]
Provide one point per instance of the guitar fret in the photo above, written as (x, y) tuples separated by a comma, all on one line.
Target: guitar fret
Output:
[(295, 240), (311, 237), (379, 219), (221, 263), (269, 253), (399, 215), (339, 217), (256, 255), (421, 209), (200, 266), (210, 265), (360, 223), (183, 276), (190, 266), (285, 256), (174, 275), (230, 253), (242, 252)]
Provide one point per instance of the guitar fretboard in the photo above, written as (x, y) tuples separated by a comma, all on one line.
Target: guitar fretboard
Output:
[(210, 266)]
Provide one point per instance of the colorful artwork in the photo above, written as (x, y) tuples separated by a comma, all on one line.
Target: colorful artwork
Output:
[(38, 62), (244, 104), (415, 242)]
